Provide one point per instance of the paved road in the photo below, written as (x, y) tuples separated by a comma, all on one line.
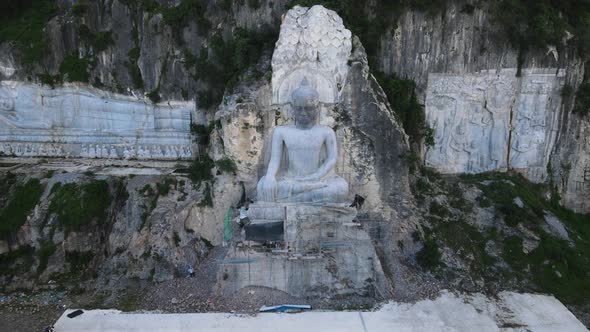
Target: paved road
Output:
[(510, 312)]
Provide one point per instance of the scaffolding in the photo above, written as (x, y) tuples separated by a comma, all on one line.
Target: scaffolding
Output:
[(279, 264)]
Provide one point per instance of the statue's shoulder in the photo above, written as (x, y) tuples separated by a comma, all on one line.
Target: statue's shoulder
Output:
[(280, 129), (325, 129)]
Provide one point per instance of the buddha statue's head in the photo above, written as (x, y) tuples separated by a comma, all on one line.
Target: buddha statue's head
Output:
[(304, 101)]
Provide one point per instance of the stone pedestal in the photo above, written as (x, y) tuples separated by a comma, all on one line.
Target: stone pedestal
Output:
[(324, 252)]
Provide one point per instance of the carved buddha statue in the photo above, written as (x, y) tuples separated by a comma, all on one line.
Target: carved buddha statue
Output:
[(302, 157)]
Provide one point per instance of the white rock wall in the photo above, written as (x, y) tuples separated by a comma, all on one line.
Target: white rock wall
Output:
[(493, 120), (314, 44), (77, 121)]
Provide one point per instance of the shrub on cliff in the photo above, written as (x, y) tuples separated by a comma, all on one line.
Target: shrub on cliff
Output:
[(24, 199), (78, 204)]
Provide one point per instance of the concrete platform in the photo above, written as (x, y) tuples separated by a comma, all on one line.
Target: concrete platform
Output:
[(509, 312)]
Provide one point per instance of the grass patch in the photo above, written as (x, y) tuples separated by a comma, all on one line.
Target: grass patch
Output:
[(16, 262), (164, 187), (429, 256), (128, 302), (202, 133), (200, 170), (582, 105), (228, 59), (154, 95), (467, 242), (226, 165), (79, 9), (24, 199), (536, 24), (76, 205), (134, 72), (45, 251), (74, 68), (207, 199), (555, 266), (178, 17), (504, 188), (99, 41), (151, 196), (79, 261), (438, 210), (22, 22), (401, 94)]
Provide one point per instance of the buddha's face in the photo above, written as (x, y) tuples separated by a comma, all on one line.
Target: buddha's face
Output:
[(305, 108)]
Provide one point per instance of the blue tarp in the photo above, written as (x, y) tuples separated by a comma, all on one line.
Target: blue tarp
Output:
[(285, 308)]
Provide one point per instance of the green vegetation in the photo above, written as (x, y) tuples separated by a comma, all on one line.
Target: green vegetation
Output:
[(22, 22), (134, 72), (555, 266), (176, 238), (429, 256), (74, 68), (202, 133), (99, 41), (541, 262), (24, 198), (6, 182), (151, 195), (468, 243), (228, 60), (226, 165), (121, 191), (503, 191), (200, 170), (45, 251), (207, 199), (16, 262), (513, 253), (402, 98), (79, 9), (178, 17), (76, 205), (582, 105), (130, 301), (538, 23), (164, 186), (152, 199), (438, 210), (254, 4), (79, 261), (154, 95)]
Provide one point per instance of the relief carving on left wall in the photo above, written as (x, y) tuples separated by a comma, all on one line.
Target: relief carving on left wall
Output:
[(80, 121)]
